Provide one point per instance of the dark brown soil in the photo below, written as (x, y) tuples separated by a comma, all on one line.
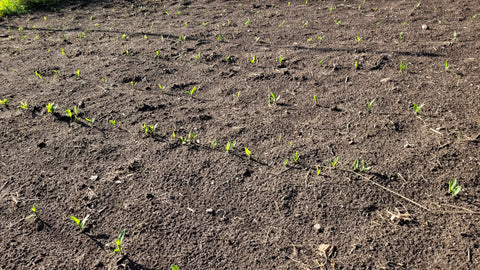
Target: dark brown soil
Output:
[(201, 207)]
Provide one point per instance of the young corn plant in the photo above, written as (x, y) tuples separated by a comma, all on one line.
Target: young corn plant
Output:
[(416, 108), (23, 105), (113, 122), (230, 146), (446, 65), (360, 166), (253, 59), (319, 170), (4, 102), (248, 152), (370, 104), (51, 107), (118, 243), (272, 99), (80, 223), (191, 92), (149, 130), (34, 214), (189, 139), (402, 66), (334, 162), (453, 189)]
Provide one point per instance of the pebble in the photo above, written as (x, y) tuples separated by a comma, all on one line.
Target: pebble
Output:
[(317, 227), (94, 177), (424, 27), (209, 211)]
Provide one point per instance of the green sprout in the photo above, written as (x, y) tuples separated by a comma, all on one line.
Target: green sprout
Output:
[(280, 59), (214, 143), (253, 59), (453, 188), (454, 35), (51, 107), (63, 51), (357, 167), (80, 223), (198, 55), (34, 214), (356, 64), (38, 75), (191, 91), (446, 65), (4, 101), (191, 137), (124, 36), (402, 66), (149, 130), (358, 38), (459, 137), (90, 120), (370, 104), (320, 38), (401, 37), (230, 145), (319, 171), (416, 108), (320, 61), (220, 38), (77, 73), (315, 98), (247, 23), (337, 22), (174, 267), (272, 99), (334, 162), (69, 113), (118, 243), (113, 122), (296, 157), (23, 105), (281, 24), (248, 152)]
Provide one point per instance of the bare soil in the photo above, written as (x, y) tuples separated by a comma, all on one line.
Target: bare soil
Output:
[(192, 203)]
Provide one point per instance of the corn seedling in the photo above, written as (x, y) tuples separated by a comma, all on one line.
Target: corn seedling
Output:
[(296, 157), (118, 243), (191, 92), (334, 162), (34, 214), (80, 223), (319, 171), (77, 73), (174, 267), (191, 137), (453, 188), (38, 75), (401, 37), (247, 23), (320, 61), (416, 108), (402, 66), (459, 137), (90, 120), (370, 104), (63, 51), (305, 23), (446, 65), (356, 64), (214, 143), (315, 98), (454, 35), (230, 145), (220, 38), (256, 39), (51, 107), (113, 122), (149, 130), (4, 101), (248, 152), (281, 24), (198, 55), (23, 105), (272, 99), (337, 22), (253, 59), (280, 59), (358, 39), (124, 36), (360, 166)]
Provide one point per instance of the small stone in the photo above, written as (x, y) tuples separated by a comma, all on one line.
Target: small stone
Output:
[(317, 227), (424, 27), (221, 212), (118, 182), (209, 211), (94, 177)]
